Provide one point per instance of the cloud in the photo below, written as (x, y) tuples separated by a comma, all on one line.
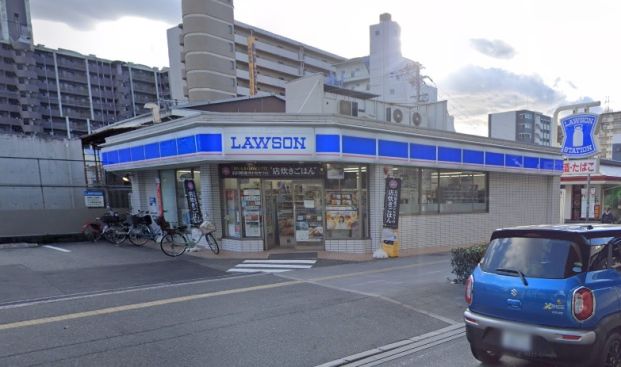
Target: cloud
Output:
[(85, 14), (493, 48), (473, 92)]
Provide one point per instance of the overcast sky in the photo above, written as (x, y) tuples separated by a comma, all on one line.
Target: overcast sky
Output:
[(484, 55)]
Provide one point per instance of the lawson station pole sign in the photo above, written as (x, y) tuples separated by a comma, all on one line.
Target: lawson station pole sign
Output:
[(579, 135)]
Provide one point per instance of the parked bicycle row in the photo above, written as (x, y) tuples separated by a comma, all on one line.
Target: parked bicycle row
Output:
[(140, 228)]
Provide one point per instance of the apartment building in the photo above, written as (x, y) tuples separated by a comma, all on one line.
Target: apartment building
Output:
[(217, 57), (523, 126), (50, 91), (609, 135)]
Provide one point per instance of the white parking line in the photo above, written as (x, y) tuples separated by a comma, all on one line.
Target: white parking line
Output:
[(57, 248)]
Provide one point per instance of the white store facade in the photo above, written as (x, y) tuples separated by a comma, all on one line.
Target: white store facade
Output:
[(317, 181)]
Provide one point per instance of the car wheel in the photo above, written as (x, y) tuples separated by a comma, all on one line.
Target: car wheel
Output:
[(485, 356), (611, 356)]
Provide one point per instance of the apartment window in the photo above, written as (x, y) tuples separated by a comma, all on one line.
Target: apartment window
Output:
[(377, 33)]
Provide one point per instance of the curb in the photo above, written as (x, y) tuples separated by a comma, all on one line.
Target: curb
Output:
[(4, 246)]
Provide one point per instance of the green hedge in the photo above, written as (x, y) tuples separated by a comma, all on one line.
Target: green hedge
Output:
[(464, 260)]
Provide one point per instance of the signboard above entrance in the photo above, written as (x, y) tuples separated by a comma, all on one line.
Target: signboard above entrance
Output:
[(271, 170), (579, 135), (580, 167)]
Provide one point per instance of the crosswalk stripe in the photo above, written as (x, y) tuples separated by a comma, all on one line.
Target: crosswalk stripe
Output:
[(247, 270), (280, 261), (285, 266), (271, 266)]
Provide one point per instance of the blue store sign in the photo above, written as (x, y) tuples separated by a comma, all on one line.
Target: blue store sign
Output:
[(579, 135)]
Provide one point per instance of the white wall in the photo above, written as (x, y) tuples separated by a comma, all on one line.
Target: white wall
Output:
[(502, 125)]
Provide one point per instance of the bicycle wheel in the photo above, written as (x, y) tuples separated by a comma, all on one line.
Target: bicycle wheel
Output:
[(213, 244), (89, 233), (139, 235), (173, 244), (116, 234), (109, 234), (120, 234)]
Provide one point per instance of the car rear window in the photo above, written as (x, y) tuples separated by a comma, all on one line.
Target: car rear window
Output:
[(547, 258)]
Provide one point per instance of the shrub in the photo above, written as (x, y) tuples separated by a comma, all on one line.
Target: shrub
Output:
[(464, 260)]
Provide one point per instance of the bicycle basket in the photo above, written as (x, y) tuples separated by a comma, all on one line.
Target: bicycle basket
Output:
[(110, 219), (135, 219), (147, 220), (207, 227)]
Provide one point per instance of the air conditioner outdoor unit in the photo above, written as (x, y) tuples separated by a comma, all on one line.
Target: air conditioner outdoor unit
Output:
[(397, 115)]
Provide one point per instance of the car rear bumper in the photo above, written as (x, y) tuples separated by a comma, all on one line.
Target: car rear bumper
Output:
[(564, 345)]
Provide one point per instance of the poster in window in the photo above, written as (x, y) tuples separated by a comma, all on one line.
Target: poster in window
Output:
[(196, 217), (341, 219)]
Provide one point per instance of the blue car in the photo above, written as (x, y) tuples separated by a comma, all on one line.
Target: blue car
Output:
[(548, 293)]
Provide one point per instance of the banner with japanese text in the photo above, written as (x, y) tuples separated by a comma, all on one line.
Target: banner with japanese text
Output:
[(392, 197)]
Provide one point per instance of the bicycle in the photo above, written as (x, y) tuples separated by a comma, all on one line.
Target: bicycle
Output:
[(175, 243), (109, 226), (140, 231)]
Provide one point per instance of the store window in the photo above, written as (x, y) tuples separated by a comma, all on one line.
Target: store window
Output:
[(346, 201), (432, 191), (410, 189), (232, 211), (462, 192), (429, 191)]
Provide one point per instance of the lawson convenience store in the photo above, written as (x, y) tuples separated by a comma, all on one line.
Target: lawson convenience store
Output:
[(318, 181)]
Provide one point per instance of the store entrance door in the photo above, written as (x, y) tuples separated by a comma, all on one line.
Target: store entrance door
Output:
[(293, 213)]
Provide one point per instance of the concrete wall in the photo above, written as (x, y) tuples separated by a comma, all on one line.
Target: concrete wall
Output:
[(45, 195), (208, 31), (306, 95), (177, 83)]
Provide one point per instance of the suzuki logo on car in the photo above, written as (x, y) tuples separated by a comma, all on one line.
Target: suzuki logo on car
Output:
[(514, 292)]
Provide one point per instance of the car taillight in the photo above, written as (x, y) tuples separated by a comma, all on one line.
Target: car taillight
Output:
[(469, 286), (583, 304)]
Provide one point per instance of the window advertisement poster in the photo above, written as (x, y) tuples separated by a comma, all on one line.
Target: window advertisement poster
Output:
[(251, 205), (392, 198), (196, 217), (341, 219)]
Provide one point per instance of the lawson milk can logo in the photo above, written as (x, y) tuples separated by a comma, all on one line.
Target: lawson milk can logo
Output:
[(579, 135)]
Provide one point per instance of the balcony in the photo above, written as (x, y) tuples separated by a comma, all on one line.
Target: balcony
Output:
[(75, 102), (72, 77), (143, 77), (25, 73), (80, 91), (142, 88), (74, 65)]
